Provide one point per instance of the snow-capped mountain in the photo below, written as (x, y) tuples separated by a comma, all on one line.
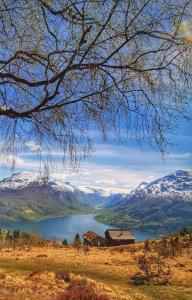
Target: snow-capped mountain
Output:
[(179, 182), (30, 196), (170, 187), (25, 179), (165, 203)]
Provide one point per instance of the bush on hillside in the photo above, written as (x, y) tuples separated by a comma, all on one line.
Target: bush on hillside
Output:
[(65, 243), (82, 289), (77, 241), (152, 269), (147, 246), (63, 275)]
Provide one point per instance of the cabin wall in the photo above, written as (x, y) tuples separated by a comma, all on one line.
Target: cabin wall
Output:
[(99, 242), (111, 242)]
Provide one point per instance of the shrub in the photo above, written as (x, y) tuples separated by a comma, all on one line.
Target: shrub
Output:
[(146, 246), (77, 239), (81, 289), (77, 242), (184, 231), (152, 269), (16, 234), (9, 235), (139, 278), (164, 247), (63, 275), (81, 284), (172, 245), (65, 243)]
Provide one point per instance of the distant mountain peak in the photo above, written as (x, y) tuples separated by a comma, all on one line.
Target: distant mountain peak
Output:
[(176, 184), (18, 181), (143, 184), (182, 173), (28, 195), (164, 204)]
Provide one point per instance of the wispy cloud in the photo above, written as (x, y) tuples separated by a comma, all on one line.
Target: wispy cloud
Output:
[(180, 156), (106, 183), (32, 146), (111, 167), (20, 163)]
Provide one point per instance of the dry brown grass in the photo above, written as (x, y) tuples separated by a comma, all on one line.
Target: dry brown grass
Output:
[(34, 273)]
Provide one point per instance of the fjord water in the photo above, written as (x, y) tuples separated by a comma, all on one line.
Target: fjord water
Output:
[(66, 227)]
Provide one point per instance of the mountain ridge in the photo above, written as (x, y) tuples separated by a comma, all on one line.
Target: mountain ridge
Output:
[(165, 204), (28, 196)]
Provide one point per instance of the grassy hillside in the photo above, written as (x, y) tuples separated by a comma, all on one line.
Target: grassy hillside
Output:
[(121, 219), (27, 196), (39, 203), (164, 205), (51, 271), (154, 216), (37, 211)]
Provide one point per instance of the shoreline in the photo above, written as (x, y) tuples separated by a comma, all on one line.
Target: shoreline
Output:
[(77, 214), (43, 218)]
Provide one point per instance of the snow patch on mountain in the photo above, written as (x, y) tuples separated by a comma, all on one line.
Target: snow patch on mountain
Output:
[(18, 180), (86, 190), (25, 179), (178, 183)]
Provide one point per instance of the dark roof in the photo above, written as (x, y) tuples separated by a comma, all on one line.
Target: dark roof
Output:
[(90, 236), (120, 234)]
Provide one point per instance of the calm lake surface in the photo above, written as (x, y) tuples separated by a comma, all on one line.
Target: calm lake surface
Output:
[(66, 227)]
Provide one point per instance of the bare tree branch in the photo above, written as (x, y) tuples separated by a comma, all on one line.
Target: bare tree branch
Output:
[(68, 65)]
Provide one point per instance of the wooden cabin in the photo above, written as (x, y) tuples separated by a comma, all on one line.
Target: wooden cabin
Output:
[(117, 237), (91, 238)]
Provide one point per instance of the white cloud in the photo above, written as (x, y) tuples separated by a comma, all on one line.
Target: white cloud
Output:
[(106, 182), (18, 162), (32, 146), (111, 167)]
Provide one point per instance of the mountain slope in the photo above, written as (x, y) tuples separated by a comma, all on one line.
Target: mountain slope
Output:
[(27, 196), (162, 205)]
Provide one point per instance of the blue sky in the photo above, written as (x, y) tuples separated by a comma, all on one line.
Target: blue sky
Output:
[(114, 166)]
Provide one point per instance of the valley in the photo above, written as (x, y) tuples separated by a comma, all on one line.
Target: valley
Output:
[(164, 205), (27, 196), (66, 227)]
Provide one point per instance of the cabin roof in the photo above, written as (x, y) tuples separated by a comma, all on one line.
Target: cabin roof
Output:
[(120, 234), (90, 236)]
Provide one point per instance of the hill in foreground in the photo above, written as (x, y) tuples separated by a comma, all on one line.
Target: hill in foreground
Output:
[(54, 272)]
